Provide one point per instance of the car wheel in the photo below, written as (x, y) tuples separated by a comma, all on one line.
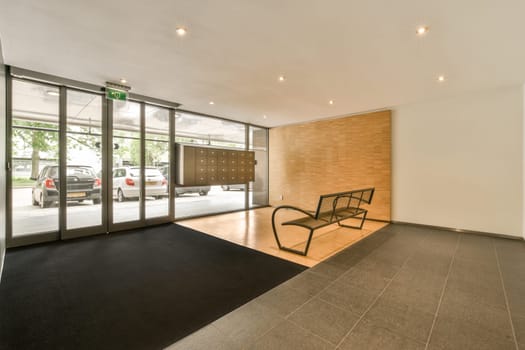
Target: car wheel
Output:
[(43, 203), (203, 193), (120, 196), (226, 188), (96, 201), (33, 198)]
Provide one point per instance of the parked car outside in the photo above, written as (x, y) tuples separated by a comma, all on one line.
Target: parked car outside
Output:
[(201, 190), (82, 184), (126, 183), (239, 187), (179, 191)]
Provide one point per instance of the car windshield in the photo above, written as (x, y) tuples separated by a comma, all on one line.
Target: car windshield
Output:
[(86, 171), (73, 171), (53, 172)]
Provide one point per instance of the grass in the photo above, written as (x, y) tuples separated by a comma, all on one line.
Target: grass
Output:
[(22, 182)]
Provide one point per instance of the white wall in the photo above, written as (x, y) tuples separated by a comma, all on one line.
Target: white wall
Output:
[(2, 160), (458, 162)]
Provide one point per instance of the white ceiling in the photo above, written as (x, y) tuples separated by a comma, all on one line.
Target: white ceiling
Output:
[(362, 54)]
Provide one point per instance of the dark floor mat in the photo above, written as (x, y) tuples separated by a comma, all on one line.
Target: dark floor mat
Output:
[(143, 289)]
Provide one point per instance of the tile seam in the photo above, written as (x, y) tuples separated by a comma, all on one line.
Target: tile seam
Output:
[(311, 298), (506, 298), (376, 299), (458, 240)]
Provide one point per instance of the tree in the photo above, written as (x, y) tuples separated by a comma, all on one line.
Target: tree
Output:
[(38, 137), (155, 152)]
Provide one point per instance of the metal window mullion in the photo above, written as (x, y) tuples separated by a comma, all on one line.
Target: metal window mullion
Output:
[(267, 166), (171, 168), (107, 146), (62, 161), (246, 183), (38, 77), (142, 194), (105, 178), (9, 157)]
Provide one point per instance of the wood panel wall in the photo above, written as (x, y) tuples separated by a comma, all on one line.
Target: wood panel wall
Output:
[(328, 156)]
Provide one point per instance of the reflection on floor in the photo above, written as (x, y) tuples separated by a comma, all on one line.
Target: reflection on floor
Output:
[(404, 287), (253, 229)]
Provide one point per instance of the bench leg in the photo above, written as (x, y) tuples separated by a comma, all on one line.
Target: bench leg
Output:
[(309, 241), (358, 227), (291, 250)]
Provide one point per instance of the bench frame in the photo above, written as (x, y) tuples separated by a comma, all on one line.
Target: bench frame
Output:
[(331, 208)]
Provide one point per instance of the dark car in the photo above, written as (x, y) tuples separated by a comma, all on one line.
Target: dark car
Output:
[(82, 184), (201, 190)]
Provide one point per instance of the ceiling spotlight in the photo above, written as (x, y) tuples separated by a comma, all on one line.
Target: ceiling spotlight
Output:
[(264, 116), (441, 78), (422, 30), (281, 78), (52, 93), (212, 103), (181, 31), (123, 81), (331, 102)]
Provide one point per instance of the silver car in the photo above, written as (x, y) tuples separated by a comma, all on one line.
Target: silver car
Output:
[(126, 183)]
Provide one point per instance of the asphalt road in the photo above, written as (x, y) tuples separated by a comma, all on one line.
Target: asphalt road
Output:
[(29, 219)]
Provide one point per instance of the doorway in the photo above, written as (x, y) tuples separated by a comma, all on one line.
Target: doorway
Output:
[(115, 157)]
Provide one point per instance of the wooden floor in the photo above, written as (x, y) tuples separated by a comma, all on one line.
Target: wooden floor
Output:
[(253, 229)]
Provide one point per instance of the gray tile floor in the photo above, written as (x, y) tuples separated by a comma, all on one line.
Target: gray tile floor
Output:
[(404, 287)]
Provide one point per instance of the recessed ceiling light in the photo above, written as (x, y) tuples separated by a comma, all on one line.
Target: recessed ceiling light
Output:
[(181, 31), (212, 103), (52, 93), (264, 116), (331, 102), (123, 81), (422, 30), (441, 78), (282, 78)]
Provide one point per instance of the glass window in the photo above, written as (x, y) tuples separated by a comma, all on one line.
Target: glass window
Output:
[(259, 187), (84, 159), (157, 161), (194, 129), (34, 139), (197, 130), (126, 153)]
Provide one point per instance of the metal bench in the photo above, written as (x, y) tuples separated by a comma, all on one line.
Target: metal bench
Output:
[(331, 208)]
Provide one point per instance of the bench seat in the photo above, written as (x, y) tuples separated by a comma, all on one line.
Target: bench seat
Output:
[(331, 208)]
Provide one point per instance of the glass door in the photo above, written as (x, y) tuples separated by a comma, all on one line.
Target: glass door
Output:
[(157, 159), (127, 171), (33, 151), (79, 164), (83, 168)]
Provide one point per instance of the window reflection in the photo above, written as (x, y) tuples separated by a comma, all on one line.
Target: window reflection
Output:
[(198, 130)]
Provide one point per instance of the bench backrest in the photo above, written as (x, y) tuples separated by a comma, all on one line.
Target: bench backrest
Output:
[(330, 203)]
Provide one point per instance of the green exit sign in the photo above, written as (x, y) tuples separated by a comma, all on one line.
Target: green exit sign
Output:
[(113, 94)]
